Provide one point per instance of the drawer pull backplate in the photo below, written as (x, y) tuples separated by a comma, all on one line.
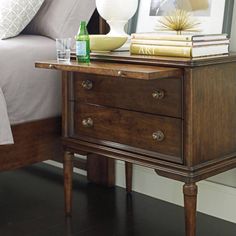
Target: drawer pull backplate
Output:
[(88, 123), (158, 94), (158, 136), (87, 84)]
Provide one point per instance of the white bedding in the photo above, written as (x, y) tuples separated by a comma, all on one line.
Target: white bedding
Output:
[(26, 93), (5, 130)]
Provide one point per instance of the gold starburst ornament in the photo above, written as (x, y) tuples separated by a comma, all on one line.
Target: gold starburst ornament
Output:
[(180, 21)]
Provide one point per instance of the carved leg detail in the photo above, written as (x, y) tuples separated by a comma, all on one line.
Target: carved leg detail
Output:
[(190, 205), (128, 176), (68, 175)]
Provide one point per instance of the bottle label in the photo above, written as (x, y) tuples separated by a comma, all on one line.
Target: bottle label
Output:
[(81, 48)]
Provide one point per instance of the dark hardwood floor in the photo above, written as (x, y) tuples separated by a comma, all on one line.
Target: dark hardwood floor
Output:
[(31, 204)]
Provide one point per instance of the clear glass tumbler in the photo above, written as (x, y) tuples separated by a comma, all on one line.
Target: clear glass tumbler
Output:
[(63, 47)]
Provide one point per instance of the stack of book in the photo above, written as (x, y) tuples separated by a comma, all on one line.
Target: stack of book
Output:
[(179, 45)]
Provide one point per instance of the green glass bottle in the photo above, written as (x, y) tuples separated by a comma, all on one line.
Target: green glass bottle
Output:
[(83, 44)]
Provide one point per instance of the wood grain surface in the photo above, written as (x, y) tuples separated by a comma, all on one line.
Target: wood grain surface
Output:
[(130, 128), (132, 95)]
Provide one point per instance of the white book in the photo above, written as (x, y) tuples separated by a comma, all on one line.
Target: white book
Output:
[(184, 37), (210, 50), (179, 43)]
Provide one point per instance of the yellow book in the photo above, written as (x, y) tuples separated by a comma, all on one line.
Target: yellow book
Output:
[(160, 50), (172, 51)]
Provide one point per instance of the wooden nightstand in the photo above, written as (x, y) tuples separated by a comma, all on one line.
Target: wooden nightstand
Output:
[(174, 115)]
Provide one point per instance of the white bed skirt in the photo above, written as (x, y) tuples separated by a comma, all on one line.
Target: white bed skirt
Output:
[(5, 128)]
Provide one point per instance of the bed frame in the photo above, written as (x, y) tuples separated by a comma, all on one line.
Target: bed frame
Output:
[(39, 141), (34, 142)]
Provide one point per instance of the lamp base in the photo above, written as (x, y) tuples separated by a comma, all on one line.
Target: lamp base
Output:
[(117, 27)]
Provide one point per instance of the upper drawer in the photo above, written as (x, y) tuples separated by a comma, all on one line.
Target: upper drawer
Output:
[(114, 69), (162, 96)]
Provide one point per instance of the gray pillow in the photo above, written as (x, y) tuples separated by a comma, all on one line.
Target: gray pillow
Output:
[(60, 18)]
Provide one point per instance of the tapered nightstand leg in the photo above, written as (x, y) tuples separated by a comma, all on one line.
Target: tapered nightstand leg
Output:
[(190, 206), (128, 176), (68, 175)]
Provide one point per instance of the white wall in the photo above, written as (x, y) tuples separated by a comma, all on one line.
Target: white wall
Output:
[(233, 36)]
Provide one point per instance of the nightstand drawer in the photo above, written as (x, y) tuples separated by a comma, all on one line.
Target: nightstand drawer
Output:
[(162, 96), (131, 130)]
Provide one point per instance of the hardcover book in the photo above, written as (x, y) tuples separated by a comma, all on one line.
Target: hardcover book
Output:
[(189, 38), (175, 51)]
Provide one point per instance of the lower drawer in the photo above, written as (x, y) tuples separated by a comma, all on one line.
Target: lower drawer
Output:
[(156, 136)]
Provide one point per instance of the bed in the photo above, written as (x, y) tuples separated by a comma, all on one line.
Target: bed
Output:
[(30, 98)]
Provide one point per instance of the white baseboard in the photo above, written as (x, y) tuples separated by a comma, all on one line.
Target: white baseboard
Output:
[(57, 164), (213, 199)]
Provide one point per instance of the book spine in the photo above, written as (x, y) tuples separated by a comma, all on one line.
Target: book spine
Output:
[(154, 50), (162, 42), (162, 37)]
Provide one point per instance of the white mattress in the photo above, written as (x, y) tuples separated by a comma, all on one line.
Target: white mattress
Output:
[(26, 93)]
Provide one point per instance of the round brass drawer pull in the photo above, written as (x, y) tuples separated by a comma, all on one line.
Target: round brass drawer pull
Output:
[(87, 84), (158, 94), (121, 73), (158, 136), (88, 123), (50, 66)]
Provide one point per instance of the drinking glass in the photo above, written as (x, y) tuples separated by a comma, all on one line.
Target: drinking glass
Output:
[(63, 47)]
